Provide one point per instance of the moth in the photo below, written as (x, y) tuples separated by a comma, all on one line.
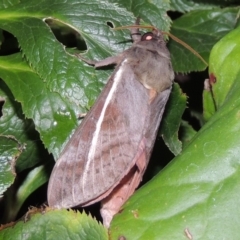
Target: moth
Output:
[(107, 156)]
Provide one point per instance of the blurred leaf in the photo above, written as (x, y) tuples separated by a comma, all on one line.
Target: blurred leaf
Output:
[(190, 5), (8, 3), (186, 133), (1, 38)]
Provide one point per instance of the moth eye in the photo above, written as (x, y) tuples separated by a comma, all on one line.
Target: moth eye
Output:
[(147, 36)]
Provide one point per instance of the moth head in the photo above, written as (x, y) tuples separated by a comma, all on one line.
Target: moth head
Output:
[(155, 35)]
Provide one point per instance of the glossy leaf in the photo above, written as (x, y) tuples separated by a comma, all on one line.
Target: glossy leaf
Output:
[(222, 67)]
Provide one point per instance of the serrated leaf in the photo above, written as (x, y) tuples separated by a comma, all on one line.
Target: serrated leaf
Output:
[(55, 224), (172, 119), (200, 30)]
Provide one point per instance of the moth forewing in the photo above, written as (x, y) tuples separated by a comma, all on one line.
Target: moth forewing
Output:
[(96, 161), (108, 154)]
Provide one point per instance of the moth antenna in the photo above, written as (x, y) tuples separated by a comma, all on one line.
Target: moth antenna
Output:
[(135, 26), (176, 39)]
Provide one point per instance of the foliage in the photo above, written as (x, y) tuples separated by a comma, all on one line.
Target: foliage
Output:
[(44, 87)]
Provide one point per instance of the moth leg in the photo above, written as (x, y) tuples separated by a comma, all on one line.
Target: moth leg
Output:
[(90, 62), (102, 63), (108, 61)]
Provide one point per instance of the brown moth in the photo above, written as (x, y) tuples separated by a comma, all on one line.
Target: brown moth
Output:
[(107, 155)]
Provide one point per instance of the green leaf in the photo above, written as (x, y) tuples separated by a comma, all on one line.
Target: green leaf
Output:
[(224, 65), (21, 147), (172, 119), (13, 121), (152, 12), (191, 5), (8, 3), (9, 152), (55, 224), (48, 109), (186, 133), (209, 105), (200, 30), (14, 200)]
